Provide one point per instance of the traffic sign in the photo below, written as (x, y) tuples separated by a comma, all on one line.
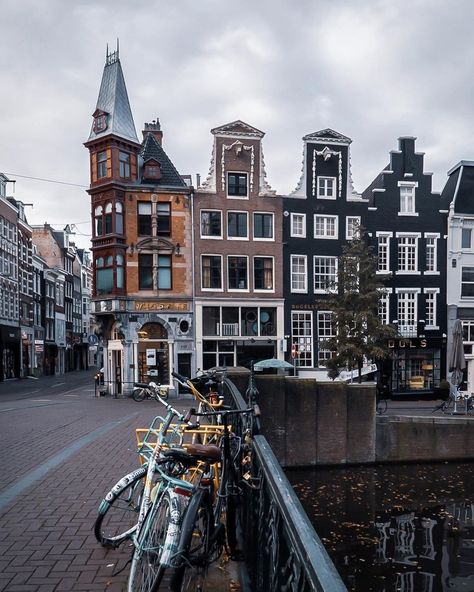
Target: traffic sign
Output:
[(93, 339), (294, 351)]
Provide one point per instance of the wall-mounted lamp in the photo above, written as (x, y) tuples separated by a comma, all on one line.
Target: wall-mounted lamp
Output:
[(131, 249), (177, 250)]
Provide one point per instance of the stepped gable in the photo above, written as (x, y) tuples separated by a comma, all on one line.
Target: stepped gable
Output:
[(152, 150)]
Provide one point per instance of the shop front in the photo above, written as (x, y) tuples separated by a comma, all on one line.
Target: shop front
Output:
[(10, 348), (415, 366), (237, 335)]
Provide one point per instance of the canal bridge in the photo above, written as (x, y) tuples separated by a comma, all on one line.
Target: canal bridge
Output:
[(307, 424)]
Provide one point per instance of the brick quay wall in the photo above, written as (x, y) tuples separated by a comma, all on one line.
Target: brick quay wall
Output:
[(311, 423)]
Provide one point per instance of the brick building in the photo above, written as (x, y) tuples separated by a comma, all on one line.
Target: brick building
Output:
[(238, 253), (142, 258)]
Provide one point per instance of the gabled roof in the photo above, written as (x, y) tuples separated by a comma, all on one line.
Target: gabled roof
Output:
[(459, 188), (237, 128), (327, 135), (113, 100), (170, 177)]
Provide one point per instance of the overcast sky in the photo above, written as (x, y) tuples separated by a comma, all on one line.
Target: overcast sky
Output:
[(371, 69)]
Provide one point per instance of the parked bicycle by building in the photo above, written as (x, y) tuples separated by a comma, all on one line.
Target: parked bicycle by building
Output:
[(149, 390)]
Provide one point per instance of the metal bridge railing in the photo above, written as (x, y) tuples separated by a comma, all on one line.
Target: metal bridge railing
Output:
[(282, 551)]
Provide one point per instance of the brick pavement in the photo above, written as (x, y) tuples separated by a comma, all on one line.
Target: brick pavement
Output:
[(46, 541)]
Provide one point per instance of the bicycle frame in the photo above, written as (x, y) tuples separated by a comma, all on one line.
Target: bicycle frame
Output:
[(166, 480), (200, 398)]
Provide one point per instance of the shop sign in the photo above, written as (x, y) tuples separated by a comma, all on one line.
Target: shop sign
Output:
[(114, 344), (406, 343), (39, 348), (157, 305)]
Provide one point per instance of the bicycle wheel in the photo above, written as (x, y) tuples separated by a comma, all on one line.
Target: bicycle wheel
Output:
[(118, 511), (146, 571), (194, 547), (138, 394)]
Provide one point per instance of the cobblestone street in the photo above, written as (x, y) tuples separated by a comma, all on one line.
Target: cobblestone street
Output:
[(62, 448)]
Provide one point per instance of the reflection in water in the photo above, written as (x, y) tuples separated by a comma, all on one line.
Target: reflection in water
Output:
[(397, 528)]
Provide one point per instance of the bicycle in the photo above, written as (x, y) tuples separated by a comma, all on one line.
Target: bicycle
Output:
[(118, 511), (149, 390), (209, 527), (209, 401)]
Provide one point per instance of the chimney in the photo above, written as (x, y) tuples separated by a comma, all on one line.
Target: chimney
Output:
[(153, 128)]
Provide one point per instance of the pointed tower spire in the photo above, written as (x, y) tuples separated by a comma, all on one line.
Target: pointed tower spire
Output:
[(113, 114)]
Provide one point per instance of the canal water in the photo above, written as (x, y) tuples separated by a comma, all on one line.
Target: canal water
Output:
[(394, 528)]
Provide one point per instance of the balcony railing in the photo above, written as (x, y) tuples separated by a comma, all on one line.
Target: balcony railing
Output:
[(229, 329), (407, 330)]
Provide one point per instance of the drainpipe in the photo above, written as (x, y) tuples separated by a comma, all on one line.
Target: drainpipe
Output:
[(193, 304)]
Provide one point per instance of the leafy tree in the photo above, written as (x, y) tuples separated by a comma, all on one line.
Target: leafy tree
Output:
[(358, 333)]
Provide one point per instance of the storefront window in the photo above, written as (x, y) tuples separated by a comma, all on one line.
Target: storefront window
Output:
[(211, 320), (415, 370)]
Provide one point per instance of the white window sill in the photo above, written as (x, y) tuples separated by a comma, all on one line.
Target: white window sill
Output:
[(297, 235), (325, 237), (431, 328), (212, 289), (205, 237), (431, 273), (413, 214), (264, 240), (408, 272)]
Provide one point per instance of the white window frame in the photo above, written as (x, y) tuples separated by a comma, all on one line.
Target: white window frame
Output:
[(384, 306), (407, 298), (466, 228), (263, 239), (237, 238), (221, 289), (206, 236), (243, 290), (265, 290), (404, 210), (324, 328), (322, 192), (303, 273), (326, 236), (466, 283), (431, 307), (294, 234), (246, 196), (386, 246), (303, 341), (350, 234), (408, 236), (431, 237), (332, 289)]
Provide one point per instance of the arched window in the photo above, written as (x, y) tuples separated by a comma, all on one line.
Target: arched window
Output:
[(98, 226), (108, 218), (118, 218)]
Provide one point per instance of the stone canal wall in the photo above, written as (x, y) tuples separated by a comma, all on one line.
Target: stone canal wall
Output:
[(310, 423), (324, 423), (401, 439)]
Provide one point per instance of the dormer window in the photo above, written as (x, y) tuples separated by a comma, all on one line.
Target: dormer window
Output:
[(100, 122), (152, 170)]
